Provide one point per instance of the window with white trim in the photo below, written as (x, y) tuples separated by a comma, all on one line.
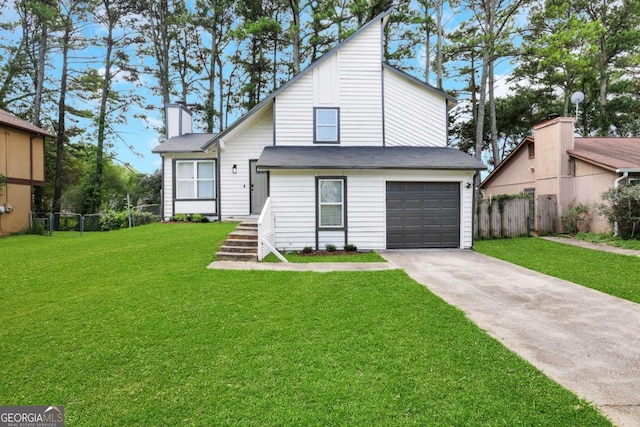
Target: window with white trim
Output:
[(326, 125), (195, 179), (331, 203)]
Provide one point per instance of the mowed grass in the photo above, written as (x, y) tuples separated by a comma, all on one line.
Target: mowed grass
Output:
[(129, 328), (614, 274)]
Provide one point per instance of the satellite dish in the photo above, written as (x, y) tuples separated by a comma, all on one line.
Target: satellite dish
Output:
[(577, 97)]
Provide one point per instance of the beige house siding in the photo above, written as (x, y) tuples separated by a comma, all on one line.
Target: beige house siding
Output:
[(515, 179), (590, 182), (22, 162)]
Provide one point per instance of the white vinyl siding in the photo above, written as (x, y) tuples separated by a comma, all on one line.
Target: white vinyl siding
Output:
[(355, 74), (360, 75), (413, 115), (239, 149), (294, 206)]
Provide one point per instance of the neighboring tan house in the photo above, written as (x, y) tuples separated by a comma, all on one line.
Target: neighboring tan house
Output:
[(350, 150), (556, 162), (22, 163)]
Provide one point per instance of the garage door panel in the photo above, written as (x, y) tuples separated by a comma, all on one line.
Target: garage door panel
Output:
[(423, 214)]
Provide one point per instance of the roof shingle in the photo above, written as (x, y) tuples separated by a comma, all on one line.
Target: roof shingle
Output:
[(8, 119), (323, 157), (187, 143)]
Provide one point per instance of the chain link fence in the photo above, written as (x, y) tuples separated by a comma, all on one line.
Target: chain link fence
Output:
[(46, 223)]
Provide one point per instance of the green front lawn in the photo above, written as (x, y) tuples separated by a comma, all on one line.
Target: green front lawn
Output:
[(614, 274), (130, 328)]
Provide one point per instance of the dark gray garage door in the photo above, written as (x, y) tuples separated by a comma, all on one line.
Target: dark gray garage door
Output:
[(423, 215)]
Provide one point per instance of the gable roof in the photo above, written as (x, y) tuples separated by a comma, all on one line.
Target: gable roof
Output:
[(8, 119), (608, 153), (324, 157), (507, 160), (297, 77), (187, 143)]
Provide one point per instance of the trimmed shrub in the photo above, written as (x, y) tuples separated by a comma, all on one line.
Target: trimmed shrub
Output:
[(575, 217), (350, 248), (622, 206), (330, 248)]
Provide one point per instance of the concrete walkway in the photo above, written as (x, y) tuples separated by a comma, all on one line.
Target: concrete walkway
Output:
[(586, 340), (590, 245), (321, 267)]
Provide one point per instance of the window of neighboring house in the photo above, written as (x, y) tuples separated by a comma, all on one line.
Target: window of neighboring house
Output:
[(326, 125), (532, 150), (331, 203), (195, 179)]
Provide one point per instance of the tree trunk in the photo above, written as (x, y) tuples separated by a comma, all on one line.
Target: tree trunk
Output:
[(102, 115), (61, 130), (481, 105), (439, 41), (42, 51), (492, 117), (295, 13)]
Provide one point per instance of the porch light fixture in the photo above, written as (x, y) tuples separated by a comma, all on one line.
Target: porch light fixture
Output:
[(468, 185), (234, 169)]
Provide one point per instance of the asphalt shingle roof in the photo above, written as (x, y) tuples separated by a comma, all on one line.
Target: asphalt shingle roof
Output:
[(324, 157), (8, 119), (610, 153), (187, 143)]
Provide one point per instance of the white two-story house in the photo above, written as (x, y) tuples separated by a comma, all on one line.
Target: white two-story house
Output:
[(350, 150)]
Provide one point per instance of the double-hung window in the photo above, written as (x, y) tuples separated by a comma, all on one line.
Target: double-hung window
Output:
[(326, 125), (331, 203), (195, 179)]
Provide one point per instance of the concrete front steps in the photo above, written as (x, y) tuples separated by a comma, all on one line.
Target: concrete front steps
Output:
[(241, 244)]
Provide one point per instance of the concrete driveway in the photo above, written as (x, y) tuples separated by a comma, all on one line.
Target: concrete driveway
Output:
[(587, 341)]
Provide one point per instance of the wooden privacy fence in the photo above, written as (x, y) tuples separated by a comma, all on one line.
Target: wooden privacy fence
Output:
[(500, 218), (547, 214)]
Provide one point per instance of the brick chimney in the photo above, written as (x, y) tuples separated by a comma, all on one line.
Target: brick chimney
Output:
[(179, 120)]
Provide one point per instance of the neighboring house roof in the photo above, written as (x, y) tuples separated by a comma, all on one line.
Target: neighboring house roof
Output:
[(506, 161), (608, 153), (323, 157), (8, 119), (297, 77), (187, 143)]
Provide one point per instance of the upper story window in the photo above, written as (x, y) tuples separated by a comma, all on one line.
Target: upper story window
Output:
[(532, 150), (195, 179), (326, 123)]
